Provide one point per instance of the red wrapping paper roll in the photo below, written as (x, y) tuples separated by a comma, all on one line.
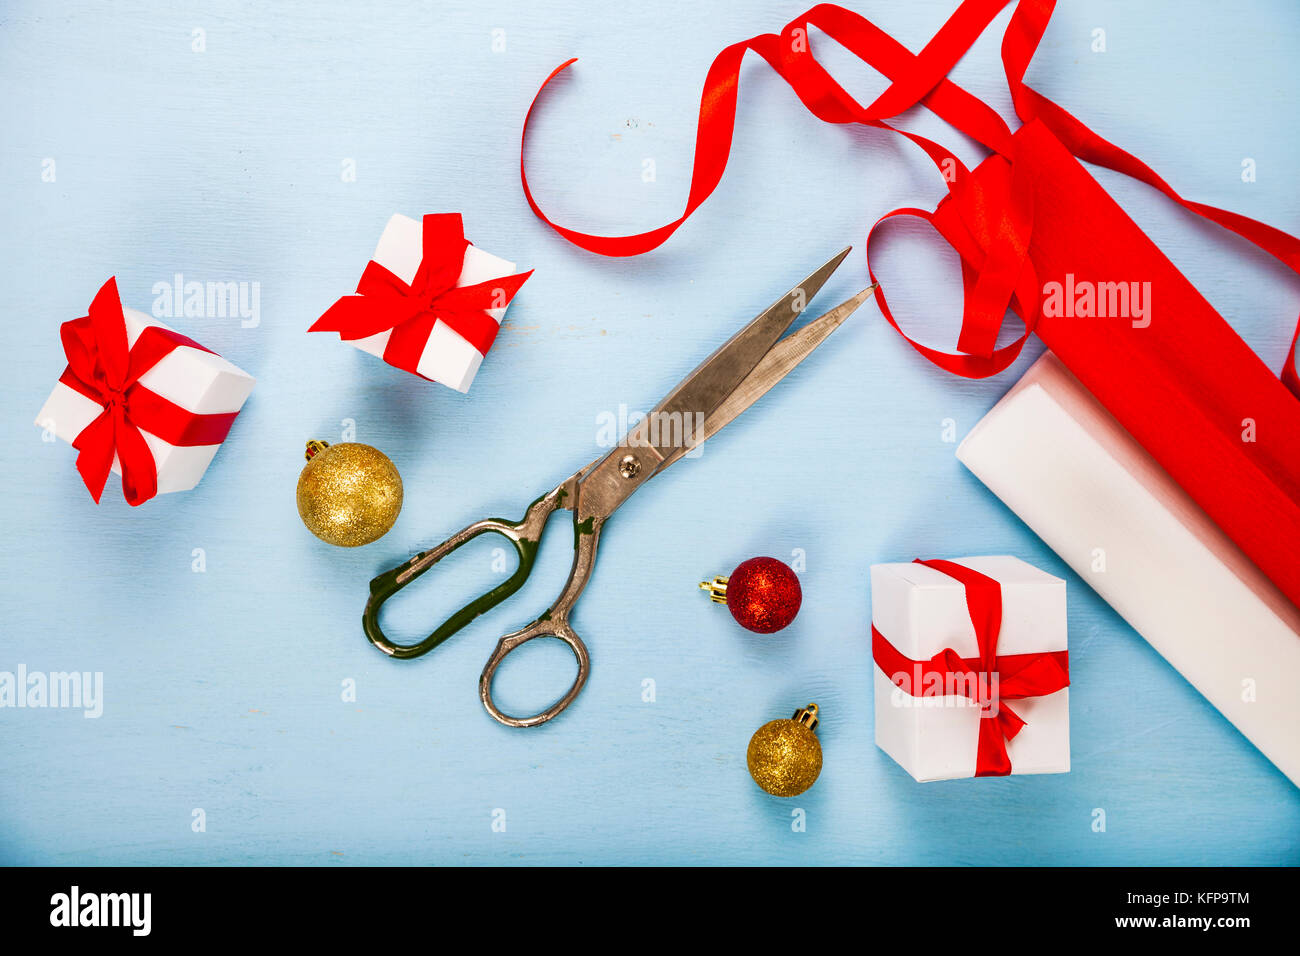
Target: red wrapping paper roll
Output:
[(1179, 380), (1186, 386)]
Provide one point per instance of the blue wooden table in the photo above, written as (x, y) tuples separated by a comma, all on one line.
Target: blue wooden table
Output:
[(244, 717)]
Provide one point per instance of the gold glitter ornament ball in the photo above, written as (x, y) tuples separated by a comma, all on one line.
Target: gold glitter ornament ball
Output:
[(348, 494), (785, 756)]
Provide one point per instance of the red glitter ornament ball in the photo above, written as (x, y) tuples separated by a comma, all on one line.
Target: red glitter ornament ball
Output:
[(763, 595)]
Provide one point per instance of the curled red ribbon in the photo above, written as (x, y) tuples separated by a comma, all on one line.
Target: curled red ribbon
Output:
[(102, 367), (990, 228), (1012, 677), (383, 301)]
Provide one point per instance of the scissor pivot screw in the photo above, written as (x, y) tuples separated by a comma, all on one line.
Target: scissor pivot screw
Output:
[(629, 466)]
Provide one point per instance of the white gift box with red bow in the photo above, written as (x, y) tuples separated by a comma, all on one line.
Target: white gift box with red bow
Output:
[(933, 729), (199, 382), (447, 356)]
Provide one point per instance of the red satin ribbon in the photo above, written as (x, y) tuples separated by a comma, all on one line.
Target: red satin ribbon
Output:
[(1017, 675), (1030, 212), (1000, 226), (383, 301), (102, 367)]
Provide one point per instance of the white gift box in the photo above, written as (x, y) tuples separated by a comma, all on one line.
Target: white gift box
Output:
[(447, 357), (921, 611), (198, 381), (1071, 472)]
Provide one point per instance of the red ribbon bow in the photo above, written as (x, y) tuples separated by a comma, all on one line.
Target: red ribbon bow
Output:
[(383, 301), (989, 680), (106, 370)]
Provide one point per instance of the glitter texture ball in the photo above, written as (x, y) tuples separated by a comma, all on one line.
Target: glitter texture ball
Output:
[(763, 595), (784, 757), (348, 494)]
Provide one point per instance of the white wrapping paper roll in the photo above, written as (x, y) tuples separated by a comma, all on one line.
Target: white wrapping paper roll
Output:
[(1061, 462)]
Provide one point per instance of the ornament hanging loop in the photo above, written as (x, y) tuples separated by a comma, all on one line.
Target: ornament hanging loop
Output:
[(807, 716), (717, 589)]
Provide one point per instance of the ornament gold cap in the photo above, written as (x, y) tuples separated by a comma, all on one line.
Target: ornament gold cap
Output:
[(807, 716), (314, 447), (717, 589)]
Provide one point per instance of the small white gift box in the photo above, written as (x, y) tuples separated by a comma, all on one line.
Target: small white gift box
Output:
[(447, 356), (928, 715), (199, 382)]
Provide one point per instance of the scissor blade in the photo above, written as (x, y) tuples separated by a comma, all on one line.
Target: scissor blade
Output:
[(776, 365), (722, 372)]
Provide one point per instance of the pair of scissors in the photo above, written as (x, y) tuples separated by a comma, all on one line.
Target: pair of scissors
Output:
[(724, 385)]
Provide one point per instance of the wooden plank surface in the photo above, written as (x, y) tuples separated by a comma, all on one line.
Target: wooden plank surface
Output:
[(223, 688)]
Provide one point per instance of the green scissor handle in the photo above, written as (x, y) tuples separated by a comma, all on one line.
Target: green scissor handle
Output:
[(524, 535)]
